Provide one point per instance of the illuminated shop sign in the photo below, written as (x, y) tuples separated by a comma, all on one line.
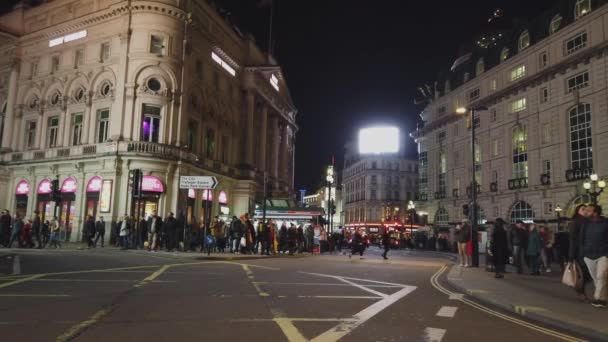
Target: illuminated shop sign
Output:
[(68, 185), (23, 188), (94, 184), (68, 38), (45, 187)]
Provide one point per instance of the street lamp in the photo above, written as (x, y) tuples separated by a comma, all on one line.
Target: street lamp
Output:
[(474, 237), (594, 187), (330, 180), (411, 208), (558, 211)]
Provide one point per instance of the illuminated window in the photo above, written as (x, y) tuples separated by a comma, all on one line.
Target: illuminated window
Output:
[(556, 24), (582, 8), (544, 95), (442, 218), (423, 174), (518, 72), (441, 179), (493, 85), (150, 126), (474, 95), (504, 54), (77, 128), (520, 152), (481, 67), (103, 124), (53, 131), (580, 137), (522, 211), (157, 45), (576, 43), (524, 40), (274, 82), (577, 82), (518, 105), (30, 134)]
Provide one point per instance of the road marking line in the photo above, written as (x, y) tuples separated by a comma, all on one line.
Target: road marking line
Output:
[(34, 295), (523, 310), (342, 297), (153, 276), (80, 327), (472, 292), (440, 288), (297, 320), (345, 327), (358, 279), (433, 334), (447, 311), (249, 265), (16, 265), (323, 284), (291, 332), (251, 279), (22, 280), (377, 293), (456, 296), (101, 280)]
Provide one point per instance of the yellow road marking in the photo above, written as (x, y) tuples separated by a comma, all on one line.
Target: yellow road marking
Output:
[(153, 276), (34, 295), (80, 327), (22, 280), (251, 279), (291, 332), (438, 287)]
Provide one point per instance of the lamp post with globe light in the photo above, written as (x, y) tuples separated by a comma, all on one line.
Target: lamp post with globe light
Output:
[(594, 187), (558, 211), (473, 211), (411, 209)]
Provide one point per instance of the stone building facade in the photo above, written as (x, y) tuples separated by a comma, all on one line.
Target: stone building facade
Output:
[(92, 89), (541, 127)]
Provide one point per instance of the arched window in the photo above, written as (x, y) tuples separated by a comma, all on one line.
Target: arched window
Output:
[(580, 137), (504, 54), (524, 40), (556, 24), (522, 211), (442, 218), (582, 8), (520, 152), (481, 67)]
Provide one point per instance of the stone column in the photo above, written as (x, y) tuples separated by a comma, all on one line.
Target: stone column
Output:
[(283, 157), (262, 137), (276, 137), (90, 121), (249, 143), (9, 126)]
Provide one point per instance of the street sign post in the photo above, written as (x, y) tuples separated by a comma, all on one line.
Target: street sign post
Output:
[(198, 182)]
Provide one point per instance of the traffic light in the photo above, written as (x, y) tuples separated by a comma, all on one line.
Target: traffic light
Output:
[(465, 210), (137, 175), (55, 191)]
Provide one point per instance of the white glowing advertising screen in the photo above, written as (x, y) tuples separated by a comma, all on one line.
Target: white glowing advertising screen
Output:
[(378, 140)]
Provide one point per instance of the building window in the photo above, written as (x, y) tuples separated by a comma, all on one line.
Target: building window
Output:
[(77, 127), (157, 45), (104, 55), (493, 115), (481, 67), (374, 179), (577, 81), (55, 63), (103, 124), (576, 43), (191, 135), (493, 85), (154, 84), (580, 137), (53, 131), (150, 126), (477, 120), (442, 186), (374, 165), (518, 105), (396, 195), (546, 133), (520, 152), (548, 208), (547, 167), (522, 211), (582, 8), (524, 40), (543, 59), (556, 24), (544, 94), (34, 69), (30, 134), (423, 174), (373, 195), (474, 95), (79, 58), (495, 147), (441, 110), (518, 72), (504, 54), (442, 218), (495, 176)]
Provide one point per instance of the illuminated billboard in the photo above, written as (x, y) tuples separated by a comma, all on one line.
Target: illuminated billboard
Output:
[(376, 140)]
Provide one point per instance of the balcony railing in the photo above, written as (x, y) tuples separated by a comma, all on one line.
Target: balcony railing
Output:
[(574, 175), (439, 195), (518, 183)]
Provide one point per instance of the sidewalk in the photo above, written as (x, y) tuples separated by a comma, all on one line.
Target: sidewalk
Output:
[(541, 298)]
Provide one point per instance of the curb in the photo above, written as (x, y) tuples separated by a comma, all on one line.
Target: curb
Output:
[(194, 256), (554, 323)]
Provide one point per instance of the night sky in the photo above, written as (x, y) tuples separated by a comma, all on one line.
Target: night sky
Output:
[(349, 63)]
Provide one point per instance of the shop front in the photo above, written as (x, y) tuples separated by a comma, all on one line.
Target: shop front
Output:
[(222, 200), (206, 206), (92, 196), (151, 190), (67, 209), (22, 193), (190, 201), (45, 205)]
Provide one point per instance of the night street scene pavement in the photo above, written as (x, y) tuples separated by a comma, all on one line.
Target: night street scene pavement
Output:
[(303, 170)]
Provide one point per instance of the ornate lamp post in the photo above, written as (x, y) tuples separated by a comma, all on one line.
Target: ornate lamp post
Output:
[(594, 187), (330, 180), (411, 209), (558, 212)]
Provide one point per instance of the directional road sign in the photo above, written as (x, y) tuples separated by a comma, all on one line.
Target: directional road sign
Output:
[(197, 182)]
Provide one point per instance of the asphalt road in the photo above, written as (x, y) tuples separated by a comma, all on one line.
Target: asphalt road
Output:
[(111, 295)]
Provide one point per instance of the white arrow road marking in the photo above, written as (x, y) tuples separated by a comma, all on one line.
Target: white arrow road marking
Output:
[(433, 335), (447, 311), (16, 265)]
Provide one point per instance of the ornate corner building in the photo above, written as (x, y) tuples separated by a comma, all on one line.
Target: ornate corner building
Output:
[(92, 89), (541, 124)]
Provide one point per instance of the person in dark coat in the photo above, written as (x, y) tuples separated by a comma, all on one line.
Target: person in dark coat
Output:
[(518, 239), (100, 230), (5, 228), (300, 239), (170, 229), (499, 248), (574, 251), (143, 231), (292, 235), (283, 238), (358, 246), (89, 228), (534, 249), (386, 242), (37, 229)]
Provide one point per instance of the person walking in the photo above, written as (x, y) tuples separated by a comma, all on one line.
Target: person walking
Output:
[(463, 235), (575, 253), (124, 233), (5, 228), (89, 230), (100, 231), (154, 225), (15, 231), (547, 250), (170, 230), (55, 229), (26, 235), (534, 249), (499, 248), (594, 246), (357, 244), (250, 231), (37, 229), (45, 232), (292, 235), (518, 238), (386, 242), (283, 238)]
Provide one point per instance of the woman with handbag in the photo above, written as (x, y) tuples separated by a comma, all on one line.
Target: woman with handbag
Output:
[(574, 252), (499, 248)]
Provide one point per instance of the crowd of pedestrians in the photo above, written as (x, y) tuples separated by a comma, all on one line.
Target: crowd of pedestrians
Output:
[(531, 246), (20, 232)]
